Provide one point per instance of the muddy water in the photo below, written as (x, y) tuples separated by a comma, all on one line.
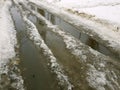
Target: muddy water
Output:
[(72, 66), (35, 72), (76, 33)]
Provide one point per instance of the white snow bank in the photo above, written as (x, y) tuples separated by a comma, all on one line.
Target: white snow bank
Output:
[(103, 9), (108, 10), (82, 3), (7, 35), (110, 13), (8, 43)]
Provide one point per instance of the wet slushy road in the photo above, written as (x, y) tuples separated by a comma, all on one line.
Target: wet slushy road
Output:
[(82, 75)]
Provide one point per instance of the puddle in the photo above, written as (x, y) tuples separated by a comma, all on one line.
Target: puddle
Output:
[(70, 63), (73, 68), (33, 65), (84, 38), (35, 71), (41, 12), (53, 41)]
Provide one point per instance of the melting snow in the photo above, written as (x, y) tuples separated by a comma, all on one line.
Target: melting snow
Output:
[(37, 39), (106, 34), (7, 49), (54, 65), (96, 79), (7, 34)]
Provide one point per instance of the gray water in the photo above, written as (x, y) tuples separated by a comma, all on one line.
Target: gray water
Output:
[(84, 38), (34, 66), (71, 64)]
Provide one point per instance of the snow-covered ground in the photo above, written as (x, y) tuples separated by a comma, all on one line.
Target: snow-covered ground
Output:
[(83, 3), (102, 72), (102, 30), (111, 13), (8, 42), (34, 35), (104, 10), (7, 34), (98, 71)]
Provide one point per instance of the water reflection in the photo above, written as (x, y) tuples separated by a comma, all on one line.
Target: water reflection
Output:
[(34, 65), (42, 12), (92, 43), (63, 55), (42, 30), (52, 19), (77, 34)]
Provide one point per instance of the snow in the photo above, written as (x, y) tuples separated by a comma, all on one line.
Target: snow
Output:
[(8, 43), (85, 3), (34, 35), (98, 63), (96, 74), (101, 9), (96, 79), (7, 35), (110, 13), (108, 10), (99, 30)]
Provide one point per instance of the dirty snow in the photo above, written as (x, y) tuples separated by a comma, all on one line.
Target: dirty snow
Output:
[(84, 3), (96, 78), (99, 31), (34, 35), (97, 73), (104, 9), (39, 42), (7, 34), (8, 42), (108, 10)]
